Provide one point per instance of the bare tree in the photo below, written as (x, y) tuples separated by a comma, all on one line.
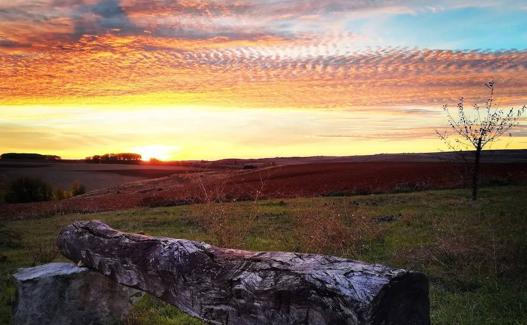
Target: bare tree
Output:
[(478, 127)]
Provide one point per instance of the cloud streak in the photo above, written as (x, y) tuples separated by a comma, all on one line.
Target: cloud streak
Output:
[(240, 53), (394, 63), (265, 72)]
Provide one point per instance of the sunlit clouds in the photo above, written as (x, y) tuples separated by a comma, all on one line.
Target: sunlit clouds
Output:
[(69, 66)]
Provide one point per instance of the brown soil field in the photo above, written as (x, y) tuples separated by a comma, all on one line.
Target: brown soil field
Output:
[(93, 176), (283, 181)]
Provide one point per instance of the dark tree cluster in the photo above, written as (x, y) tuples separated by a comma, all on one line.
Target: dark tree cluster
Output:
[(27, 156), (110, 158), (28, 189)]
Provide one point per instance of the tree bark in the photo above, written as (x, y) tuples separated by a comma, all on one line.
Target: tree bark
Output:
[(475, 176), (227, 286)]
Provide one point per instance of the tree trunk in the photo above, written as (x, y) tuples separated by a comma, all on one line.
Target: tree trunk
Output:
[(475, 175), (226, 286)]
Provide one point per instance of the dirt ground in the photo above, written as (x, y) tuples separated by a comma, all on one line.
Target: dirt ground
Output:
[(124, 186)]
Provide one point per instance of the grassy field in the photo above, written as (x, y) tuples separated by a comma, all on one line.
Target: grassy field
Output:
[(475, 254)]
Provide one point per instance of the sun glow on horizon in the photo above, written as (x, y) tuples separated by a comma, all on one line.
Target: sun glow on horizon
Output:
[(160, 152)]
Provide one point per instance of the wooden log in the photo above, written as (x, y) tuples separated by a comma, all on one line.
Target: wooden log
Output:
[(227, 286)]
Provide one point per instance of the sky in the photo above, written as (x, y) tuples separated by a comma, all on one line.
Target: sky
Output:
[(194, 79)]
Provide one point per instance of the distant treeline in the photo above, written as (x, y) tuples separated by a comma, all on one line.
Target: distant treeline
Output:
[(27, 156), (115, 158)]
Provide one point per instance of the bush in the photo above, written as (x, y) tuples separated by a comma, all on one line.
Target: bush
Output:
[(60, 194), (28, 189), (77, 189)]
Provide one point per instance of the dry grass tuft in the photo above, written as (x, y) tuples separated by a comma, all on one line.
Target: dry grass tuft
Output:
[(467, 252), (335, 230), (44, 252), (215, 216)]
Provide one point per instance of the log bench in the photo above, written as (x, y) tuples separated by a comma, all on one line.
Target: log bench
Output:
[(227, 286)]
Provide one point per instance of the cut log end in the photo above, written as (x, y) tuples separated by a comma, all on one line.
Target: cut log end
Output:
[(225, 286), (403, 301)]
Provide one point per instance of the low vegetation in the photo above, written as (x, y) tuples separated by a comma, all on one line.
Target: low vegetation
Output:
[(28, 189), (474, 253), (76, 189), (32, 189)]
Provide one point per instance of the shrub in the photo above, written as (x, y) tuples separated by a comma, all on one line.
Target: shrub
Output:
[(216, 218), (77, 189), (28, 189), (60, 194), (335, 230)]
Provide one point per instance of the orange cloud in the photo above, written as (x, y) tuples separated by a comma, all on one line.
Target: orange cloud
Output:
[(240, 76), (238, 53), (265, 72)]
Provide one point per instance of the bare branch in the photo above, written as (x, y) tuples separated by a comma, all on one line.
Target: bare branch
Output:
[(479, 128), (488, 124)]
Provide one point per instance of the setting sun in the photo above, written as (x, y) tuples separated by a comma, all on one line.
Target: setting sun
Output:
[(159, 152)]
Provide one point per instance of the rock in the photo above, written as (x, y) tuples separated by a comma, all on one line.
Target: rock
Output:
[(65, 294), (226, 286)]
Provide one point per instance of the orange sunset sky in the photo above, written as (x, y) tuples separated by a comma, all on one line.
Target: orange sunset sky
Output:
[(198, 79)]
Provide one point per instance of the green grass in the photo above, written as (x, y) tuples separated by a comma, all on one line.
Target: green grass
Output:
[(475, 254)]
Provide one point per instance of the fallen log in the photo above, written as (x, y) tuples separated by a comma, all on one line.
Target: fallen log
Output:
[(226, 286)]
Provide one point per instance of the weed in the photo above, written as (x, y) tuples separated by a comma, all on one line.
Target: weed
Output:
[(43, 253)]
